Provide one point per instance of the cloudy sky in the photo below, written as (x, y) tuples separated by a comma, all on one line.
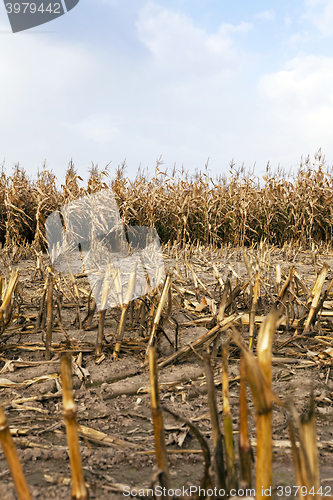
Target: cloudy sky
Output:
[(187, 80)]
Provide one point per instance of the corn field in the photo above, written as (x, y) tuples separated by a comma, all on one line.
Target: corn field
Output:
[(238, 209), (228, 358)]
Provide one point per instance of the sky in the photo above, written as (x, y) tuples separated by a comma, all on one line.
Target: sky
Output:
[(186, 81)]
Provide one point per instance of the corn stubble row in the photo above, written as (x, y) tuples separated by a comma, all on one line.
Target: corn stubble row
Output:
[(257, 370), (236, 209)]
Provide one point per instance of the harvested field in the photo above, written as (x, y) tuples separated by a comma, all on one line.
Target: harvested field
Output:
[(248, 276), (212, 290)]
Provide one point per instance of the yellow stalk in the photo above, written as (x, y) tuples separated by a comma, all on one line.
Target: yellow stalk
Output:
[(157, 415), (244, 442), (217, 436), (264, 475), (9, 449), (49, 314), (122, 323), (6, 303), (98, 348), (315, 296), (259, 377), (306, 455), (227, 424), (79, 491), (159, 309)]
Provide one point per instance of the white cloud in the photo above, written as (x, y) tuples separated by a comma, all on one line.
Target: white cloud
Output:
[(266, 15), (320, 13), (43, 80), (98, 128), (38, 70), (302, 37), (287, 21), (314, 3), (300, 99), (61, 99), (176, 90), (174, 41)]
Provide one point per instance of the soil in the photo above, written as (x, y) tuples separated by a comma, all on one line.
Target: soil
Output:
[(113, 396)]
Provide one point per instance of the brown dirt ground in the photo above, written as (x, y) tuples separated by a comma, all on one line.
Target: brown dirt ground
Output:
[(113, 398)]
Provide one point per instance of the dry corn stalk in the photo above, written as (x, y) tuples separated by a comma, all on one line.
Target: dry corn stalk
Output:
[(253, 297), (79, 491), (124, 307), (100, 334), (160, 448), (206, 337), (217, 276), (49, 315), (41, 318), (58, 307), (9, 449), (102, 313), (195, 280), (315, 296), (217, 436), (306, 454), (263, 396), (282, 295), (278, 277), (90, 314), (264, 475), (7, 299), (206, 481), (244, 442), (227, 424), (76, 295), (223, 303), (254, 304), (158, 314)]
